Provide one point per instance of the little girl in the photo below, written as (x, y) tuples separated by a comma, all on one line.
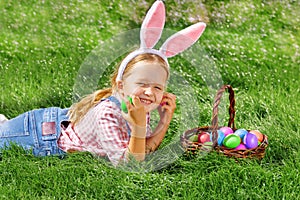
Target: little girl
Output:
[(96, 123)]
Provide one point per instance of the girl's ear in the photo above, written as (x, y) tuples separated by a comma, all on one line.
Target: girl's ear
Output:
[(182, 40), (153, 25), (119, 85)]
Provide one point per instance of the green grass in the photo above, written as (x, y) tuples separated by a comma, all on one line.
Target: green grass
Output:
[(255, 47)]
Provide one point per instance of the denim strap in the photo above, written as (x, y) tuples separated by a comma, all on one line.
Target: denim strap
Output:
[(117, 102)]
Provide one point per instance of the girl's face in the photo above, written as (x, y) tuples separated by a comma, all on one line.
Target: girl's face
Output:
[(147, 81)]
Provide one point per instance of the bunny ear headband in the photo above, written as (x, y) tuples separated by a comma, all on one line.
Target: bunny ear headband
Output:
[(151, 31)]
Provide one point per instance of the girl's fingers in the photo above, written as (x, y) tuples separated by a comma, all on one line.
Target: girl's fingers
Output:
[(169, 102), (170, 99), (135, 113), (127, 117), (136, 101)]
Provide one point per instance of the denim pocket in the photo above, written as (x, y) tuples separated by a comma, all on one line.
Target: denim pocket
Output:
[(47, 122), (49, 130), (16, 127)]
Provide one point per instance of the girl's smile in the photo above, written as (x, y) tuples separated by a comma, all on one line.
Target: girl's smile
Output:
[(146, 81), (145, 101)]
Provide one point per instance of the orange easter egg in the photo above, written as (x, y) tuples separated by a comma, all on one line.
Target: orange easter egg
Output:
[(258, 134)]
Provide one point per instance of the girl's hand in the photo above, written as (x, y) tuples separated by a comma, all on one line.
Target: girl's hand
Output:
[(136, 115), (167, 108)]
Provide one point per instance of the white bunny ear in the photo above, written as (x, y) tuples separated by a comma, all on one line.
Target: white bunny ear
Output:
[(153, 25), (182, 40)]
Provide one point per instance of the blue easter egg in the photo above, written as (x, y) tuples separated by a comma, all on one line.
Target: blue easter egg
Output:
[(241, 133), (221, 137)]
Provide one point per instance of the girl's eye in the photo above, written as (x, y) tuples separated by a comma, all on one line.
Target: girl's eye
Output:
[(147, 85)]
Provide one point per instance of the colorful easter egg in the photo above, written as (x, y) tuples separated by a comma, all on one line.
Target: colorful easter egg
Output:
[(258, 134), (221, 137), (250, 141), (231, 141), (193, 138), (123, 104), (203, 137), (241, 147), (241, 132), (226, 130)]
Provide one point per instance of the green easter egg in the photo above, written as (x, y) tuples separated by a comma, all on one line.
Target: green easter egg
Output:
[(130, 100), (231, 141), (123, 105), (193, 138)]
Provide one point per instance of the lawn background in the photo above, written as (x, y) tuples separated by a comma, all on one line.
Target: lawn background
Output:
[(254, 44)]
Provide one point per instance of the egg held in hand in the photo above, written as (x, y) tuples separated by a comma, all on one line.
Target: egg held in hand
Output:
[(123, 104)]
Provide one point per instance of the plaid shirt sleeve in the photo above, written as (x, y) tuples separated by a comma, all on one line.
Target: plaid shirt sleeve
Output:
[(102, 131), (112, 132)]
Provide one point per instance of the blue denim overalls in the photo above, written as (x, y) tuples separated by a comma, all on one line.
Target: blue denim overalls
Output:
[(38, 130)]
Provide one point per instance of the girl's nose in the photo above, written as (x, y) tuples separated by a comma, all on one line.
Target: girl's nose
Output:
[(148, 91)]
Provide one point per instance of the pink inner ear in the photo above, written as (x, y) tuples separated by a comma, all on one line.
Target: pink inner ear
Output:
[(156, 19), (177, 45), (194, 31), (183, 39), (153, 25), (151, 37)]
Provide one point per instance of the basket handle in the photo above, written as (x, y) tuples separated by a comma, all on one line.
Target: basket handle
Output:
[(215, 111)]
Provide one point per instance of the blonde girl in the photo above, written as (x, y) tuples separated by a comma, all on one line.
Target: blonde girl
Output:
[(97, 123)]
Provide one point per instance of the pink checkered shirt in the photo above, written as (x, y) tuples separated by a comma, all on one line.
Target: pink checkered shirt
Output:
[(102, 131)]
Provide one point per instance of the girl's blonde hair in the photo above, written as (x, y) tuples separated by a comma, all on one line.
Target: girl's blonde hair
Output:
[(79, 109)]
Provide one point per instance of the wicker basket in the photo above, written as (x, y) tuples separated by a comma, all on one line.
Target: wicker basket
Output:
[(193, 147)]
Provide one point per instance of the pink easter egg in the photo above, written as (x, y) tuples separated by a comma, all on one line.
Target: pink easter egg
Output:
[(241, 147), (226, 130)]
